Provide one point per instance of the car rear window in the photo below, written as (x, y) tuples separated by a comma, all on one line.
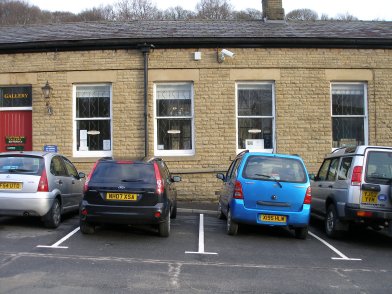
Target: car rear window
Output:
[(121, 172), (379, 167), (274, 169), (31, 165)]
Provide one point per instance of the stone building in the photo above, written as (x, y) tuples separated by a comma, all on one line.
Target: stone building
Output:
[(196, 92)]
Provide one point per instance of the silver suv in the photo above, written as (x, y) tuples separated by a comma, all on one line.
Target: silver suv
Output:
[(353, 185), (39, 184)]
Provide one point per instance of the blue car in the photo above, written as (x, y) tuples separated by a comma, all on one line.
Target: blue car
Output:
[(266, 189)]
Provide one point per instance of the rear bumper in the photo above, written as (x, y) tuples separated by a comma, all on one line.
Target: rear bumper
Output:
[(123, 214), (351, 213), (241, 214), (26, 204)]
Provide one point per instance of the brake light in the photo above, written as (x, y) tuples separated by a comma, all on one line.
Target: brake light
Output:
[(43, 183), (85, 187), (308, 196), (238, 194), (357, 175), (158, 178)]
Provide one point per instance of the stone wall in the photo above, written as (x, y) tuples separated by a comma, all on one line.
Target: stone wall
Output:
[(302, 80)]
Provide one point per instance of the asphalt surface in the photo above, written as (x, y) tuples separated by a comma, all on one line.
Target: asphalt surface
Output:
[(126, 259)]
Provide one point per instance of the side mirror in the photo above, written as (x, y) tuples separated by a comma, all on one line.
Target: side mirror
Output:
[(220, 176), (176, 178), (82, 175)]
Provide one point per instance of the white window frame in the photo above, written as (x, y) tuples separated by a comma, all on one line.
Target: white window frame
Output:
[(364, 116), (101, 153), (272, 83), (188, 152)]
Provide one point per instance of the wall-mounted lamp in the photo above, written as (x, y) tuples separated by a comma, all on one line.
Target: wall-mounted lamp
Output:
[(47, 92), (223, 53)]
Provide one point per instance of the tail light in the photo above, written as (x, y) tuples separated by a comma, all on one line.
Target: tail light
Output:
[(158, 178), (357, 175), (238, 194), (85, 187), (308, 196), (43, 183)]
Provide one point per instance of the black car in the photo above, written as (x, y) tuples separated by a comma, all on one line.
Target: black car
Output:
[(122, 191)]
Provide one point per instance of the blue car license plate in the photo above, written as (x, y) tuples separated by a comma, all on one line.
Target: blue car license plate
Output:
[(273, 218)]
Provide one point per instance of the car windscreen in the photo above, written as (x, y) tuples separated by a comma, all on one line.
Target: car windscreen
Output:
[(379, 167), (123, 172), (274, 169), (21, 164)]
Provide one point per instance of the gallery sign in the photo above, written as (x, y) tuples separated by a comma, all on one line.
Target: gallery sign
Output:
[(15, 140), (16, 96)]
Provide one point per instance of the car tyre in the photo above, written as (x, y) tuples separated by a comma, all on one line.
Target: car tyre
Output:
[(231, 226), (164, 227), (174, 211), (86, 228), (331, 222), (301, 233), (53, 218), (221, 215)]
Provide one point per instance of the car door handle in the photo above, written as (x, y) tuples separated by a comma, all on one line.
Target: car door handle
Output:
[(73, 181), (330, 186), (320, 186), (60, 182)]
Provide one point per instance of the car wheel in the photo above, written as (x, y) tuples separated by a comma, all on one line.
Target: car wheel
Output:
[(164, 227), (221, 215), (231, 226), (331, 222), (301, 233), (174, 210), (53, 217), (86, 228)]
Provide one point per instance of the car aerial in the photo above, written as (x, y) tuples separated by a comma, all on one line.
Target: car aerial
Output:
[(266, 189), (353, 186), (131, 192), (39, 184)]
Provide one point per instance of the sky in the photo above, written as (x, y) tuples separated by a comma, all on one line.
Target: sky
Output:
[(362, 9)]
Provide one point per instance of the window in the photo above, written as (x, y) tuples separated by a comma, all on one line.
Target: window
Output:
[(333, 169), (323, 172), (57, 167), (92, 120), (71, 168), (344, 168), (255, 116), (349, 115), (174, 134)]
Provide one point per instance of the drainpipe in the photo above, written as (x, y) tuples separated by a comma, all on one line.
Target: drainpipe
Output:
[(145, 49)]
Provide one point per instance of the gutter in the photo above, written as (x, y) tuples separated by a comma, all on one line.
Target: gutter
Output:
[(175, 43)]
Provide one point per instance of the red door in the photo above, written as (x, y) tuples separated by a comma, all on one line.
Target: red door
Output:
[(16, 130)]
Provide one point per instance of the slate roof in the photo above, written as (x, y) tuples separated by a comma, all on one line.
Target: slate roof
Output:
[(196, 33)]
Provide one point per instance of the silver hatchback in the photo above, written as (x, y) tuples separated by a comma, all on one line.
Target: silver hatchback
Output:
[(39, 184)]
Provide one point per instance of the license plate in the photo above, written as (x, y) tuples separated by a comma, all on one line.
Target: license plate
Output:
[(273, 218), (121, 196), (10, 186), (369, 197)]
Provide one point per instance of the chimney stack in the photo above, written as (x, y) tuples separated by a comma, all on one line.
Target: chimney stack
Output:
[(273, 9)]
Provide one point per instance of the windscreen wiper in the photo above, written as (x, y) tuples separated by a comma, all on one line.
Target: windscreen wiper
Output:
[(272, 178)]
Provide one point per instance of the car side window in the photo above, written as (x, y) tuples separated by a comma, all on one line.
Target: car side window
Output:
[(230, 170), (333, 169), (344, 168), (235, 169), (323, 171), (71, 168), (57, 167)]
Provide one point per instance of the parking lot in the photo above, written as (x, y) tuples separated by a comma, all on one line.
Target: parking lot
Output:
[(198, 257)]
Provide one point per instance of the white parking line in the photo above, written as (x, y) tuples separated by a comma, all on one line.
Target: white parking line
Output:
[(201, 239), (342, 256), (56, 245)]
